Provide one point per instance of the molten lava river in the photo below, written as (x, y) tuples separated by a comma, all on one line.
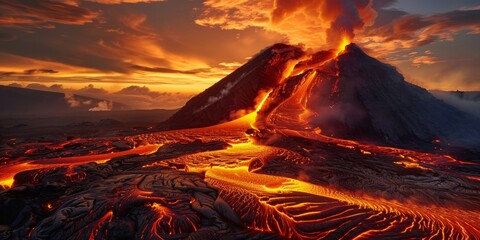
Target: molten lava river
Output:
[(221, 183)]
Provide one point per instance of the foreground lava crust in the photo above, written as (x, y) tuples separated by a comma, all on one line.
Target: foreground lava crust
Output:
[(267, 172)]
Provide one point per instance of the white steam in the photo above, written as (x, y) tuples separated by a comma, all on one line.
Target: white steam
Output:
[(102, 106)]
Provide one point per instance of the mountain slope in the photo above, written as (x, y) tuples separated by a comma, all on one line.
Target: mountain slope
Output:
[(237, 93), (351, 96)]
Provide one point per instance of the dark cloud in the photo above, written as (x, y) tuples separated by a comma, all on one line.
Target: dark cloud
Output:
[(35, 71), (27, 72), (386, 16), (409, 31), (123, 1), (42, 87), (144, 98), (168, 70), (378, 4), (90, 90), (6, 74), (137, 90), (42, 13), (6, 37)]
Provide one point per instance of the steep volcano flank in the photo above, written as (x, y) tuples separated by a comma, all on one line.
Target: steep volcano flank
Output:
[(372, 100), (286, 106), (237, 94), (355, 96), (347, 95)]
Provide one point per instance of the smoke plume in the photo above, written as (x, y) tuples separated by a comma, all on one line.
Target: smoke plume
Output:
[(71, 100), (316, 24), (102, 106)]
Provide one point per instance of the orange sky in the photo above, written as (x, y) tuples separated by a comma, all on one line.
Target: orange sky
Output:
[(170, 50)]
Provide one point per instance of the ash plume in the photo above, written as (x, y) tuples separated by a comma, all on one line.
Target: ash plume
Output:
[(314, 23)]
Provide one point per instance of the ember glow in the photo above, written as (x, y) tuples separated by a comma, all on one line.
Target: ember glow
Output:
[(343, 44), (318, 137)]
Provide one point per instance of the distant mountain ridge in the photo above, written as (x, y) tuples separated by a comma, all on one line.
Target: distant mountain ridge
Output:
[(21, 101)]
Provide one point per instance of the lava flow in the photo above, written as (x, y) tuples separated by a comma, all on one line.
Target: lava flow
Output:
[(12, 168), (343, 44), (290, 146)]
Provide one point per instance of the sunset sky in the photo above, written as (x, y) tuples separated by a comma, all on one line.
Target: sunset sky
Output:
[(158, 53)]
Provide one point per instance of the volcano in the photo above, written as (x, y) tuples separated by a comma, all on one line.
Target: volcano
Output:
[(346, 95)]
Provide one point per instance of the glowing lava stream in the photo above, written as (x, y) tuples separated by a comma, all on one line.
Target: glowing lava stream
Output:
[(432, 217), (8, 173), (252, 117)]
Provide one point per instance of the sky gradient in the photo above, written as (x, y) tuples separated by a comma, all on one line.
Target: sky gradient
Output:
[(157, 54)]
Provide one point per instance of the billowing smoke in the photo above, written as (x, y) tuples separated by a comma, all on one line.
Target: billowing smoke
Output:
[(102, 106), (71, 100), (315, 23), (74, 101), (346, 16)]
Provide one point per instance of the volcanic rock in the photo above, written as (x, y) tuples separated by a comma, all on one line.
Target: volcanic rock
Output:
[(351, 96), (237, 93)]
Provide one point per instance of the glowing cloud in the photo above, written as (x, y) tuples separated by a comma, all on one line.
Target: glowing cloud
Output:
[(102, 106), (314, 23)]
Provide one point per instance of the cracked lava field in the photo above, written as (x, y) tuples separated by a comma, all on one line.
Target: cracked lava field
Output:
[(217, 182)]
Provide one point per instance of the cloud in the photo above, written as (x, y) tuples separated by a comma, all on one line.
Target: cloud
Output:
[(377, 4), (410, 31), (466, 101), (136, 46), (123, 1), (102, 106), (71, 100), (137, 90), (144, 98), (168, 70), (137, 97), (427, 60), (35, 71), (322, 24), (6, 74), (43, 13), (311, 22), (28, 72), (233, 65), (91, 90), (42, 87)]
